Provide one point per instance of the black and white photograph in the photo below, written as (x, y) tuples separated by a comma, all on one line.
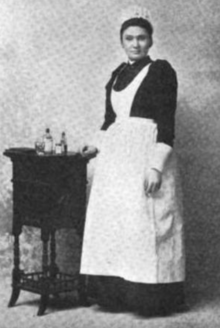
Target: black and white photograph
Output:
[(109, 160)]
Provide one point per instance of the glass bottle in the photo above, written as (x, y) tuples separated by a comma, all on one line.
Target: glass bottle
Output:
[(48, 142), (39, 146), (63, 142)]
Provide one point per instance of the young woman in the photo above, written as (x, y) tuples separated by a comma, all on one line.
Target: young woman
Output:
[(133, 240)]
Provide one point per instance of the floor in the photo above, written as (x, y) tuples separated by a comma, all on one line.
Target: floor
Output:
[(64, 314)]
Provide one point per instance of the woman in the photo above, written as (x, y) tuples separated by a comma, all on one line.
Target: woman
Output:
[(133, 239)]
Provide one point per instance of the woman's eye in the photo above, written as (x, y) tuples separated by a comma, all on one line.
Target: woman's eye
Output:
[(142, 38), (128, 38)]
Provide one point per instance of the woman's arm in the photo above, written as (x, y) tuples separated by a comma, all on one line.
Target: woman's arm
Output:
[(166, 101), (165, 107)]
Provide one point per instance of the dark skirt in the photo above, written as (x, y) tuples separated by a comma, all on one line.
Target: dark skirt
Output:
[(117, 294)]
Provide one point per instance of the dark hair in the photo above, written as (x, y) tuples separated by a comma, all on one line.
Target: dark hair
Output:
[(138, 21)]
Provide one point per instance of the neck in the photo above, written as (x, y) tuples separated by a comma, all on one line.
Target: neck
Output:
[(131, 62)]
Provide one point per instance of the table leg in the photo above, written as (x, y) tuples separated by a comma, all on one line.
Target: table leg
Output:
[(45, 239), (82, 284), (16, 274), (43, 304), (45, 267), (82, 290), (82, 279), (53, 266)]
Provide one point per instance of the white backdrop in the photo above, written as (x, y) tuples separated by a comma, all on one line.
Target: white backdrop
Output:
[(55, 59)]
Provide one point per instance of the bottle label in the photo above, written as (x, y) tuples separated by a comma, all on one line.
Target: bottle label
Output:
[(48, 148), (58, 149)]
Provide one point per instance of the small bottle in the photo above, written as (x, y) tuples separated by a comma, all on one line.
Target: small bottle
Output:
[(39, 146), (48, 142), (63, 142), (58, 148)]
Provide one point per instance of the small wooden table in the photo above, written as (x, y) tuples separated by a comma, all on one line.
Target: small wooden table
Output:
[(49, 192)]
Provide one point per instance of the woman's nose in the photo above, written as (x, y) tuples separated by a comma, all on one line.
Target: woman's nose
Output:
[(135, 43)]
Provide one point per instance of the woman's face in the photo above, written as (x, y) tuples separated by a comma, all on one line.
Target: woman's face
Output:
[(136, 42)]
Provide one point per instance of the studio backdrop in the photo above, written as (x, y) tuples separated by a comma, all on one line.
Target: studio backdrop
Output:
[(55, 59)]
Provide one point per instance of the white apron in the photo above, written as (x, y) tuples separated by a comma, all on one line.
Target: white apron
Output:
[(128, 234)]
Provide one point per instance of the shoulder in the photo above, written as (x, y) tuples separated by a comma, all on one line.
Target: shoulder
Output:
[(163, 71), (118, 69), (162, 66), (115, 73)]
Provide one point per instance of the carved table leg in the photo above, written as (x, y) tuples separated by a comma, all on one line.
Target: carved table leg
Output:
[(53, 266), (16, 274), (82, 290), (45, 239), (82, 279), (45, 283), (82, 284), (43, 304)]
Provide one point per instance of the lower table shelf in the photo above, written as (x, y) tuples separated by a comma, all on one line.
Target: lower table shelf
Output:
[(45, 284), (40, 283)]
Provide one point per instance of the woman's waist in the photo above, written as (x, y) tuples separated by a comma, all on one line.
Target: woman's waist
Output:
[(132, 120), (133, 128)]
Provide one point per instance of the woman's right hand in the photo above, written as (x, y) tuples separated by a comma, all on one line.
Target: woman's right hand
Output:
[(153, 182), (89, 151)]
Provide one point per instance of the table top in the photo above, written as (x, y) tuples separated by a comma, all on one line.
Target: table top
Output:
[(48, 189), (31, 153)]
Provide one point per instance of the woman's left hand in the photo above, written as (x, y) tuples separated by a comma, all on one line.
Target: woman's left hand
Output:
[(153, 181), (89, 152)]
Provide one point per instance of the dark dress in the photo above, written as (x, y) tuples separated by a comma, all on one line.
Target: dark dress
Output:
[(155, 99)]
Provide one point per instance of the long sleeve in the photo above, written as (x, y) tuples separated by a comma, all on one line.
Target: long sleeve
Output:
[(166, 98), (159, 156)]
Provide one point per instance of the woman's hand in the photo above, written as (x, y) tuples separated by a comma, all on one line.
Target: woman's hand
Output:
[(153, 181), (89, 151)]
